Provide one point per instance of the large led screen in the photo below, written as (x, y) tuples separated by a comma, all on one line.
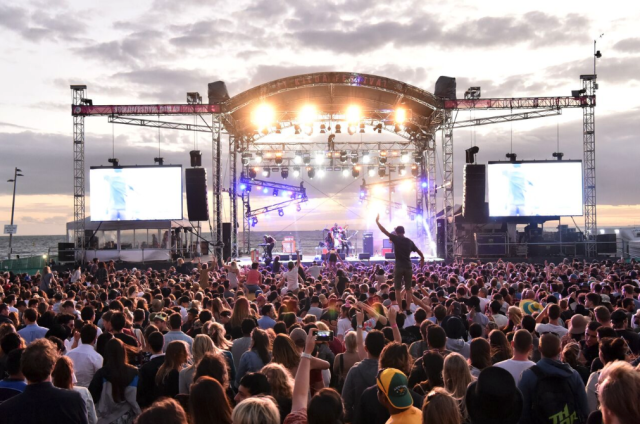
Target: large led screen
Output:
[(535, 188), (136, 193)]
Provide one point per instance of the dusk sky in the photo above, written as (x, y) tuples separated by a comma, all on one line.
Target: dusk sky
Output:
[(148, 52)]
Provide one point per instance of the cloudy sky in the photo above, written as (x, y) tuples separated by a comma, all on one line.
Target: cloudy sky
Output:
[(147, 52)]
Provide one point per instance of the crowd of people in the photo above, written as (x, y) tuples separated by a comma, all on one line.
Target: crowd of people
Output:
[(404, 342)]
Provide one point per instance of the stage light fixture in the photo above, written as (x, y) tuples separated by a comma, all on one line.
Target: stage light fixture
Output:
[(383, 157), (366, 158), (319, 158), (401, 116), (382, 171), (404, 157), (307, 114), (417, 158), (424, 184), (297, 129), (343, 156), (254, 221), (246, 159), (311, 172), (511, 156), (278, 128), (414, 170), (243, 187), (355, 171), (354, 158), (308, 129), (258, 157), (345, 172), (338, 129), (378, 128), (296, 171), (263, 116), (253, 173), (280, 212), (298, 158), (353, 114), (114, 161), (278, 158), (275, 192), (298, 207), (321, 173), (362, 128), (284, 173), (402, 170), (323, 128), (306, 158), (266, 172), (265, 190), (371, 171), (351, 129), (265, 131)]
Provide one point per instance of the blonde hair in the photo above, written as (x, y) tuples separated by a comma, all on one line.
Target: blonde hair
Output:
[(456, 377), (201, 345), (241, 310), (619, 389), (259, 409), (217, 332), (515, 314), (280, 380), (351, 342), (440, 407)]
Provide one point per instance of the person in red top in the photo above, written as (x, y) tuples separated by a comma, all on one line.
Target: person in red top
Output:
[(254, 279)]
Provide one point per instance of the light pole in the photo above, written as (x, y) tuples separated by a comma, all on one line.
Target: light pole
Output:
[(13, 205)]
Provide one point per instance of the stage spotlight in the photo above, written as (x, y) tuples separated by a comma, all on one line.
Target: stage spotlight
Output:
[(306, 158), (378, 128), (397, 128), (338, 129), (353, 114), (280, 212), (512, 156), (351, 129), (254, 221), (296, 171), (323, 128), (321, 173), (275, 192), (266, 172), (307, 115), (278, 158), (401, 116), (383, 157), (319, 158), (246, 159), (265, 190), (366, 158), (263, 116), (243, 187), (284, 173), (355, 171), (311, 172), (424, 184), (308, 129), (354, 158), (371, 171), (298, 207), (298, 158), (343, 156), (345, 172), (382, 171), (417, 158), (297, 129), (414, 170), (265, 131), (258, 157), (404, 158), (253, 173), (114, 161), (558, 155), (362, 128), (278, 128), (402, 170)]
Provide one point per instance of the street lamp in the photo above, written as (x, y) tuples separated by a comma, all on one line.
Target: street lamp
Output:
[(16, 174)]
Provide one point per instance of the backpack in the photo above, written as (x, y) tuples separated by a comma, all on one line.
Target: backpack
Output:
[(554, 400)]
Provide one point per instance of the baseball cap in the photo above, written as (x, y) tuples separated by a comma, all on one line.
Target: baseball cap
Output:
[(298, 336), (395, 386), (618, 316)]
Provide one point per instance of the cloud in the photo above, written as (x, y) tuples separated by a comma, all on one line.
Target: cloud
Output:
[(628, 45), (10, 125), (39, 25), (135, 49)]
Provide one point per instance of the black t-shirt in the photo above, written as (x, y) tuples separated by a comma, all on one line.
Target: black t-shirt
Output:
[(403, 247)]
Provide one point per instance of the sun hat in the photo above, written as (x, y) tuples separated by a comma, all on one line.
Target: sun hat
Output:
[(395, 386), (494, 398), (578, 324)]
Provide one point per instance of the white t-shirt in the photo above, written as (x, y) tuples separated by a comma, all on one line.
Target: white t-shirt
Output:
[(344, 325), (500, 320), (515, 368), (551, 328), (292, 279), (483, 303), (314, 271)]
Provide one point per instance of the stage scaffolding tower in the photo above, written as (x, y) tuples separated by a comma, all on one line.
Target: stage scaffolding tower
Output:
[(78, 93), (233, 194), (589, 87), (447, 183), (216, 186)]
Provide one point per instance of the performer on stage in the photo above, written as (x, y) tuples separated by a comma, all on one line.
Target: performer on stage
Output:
[(344, 241), (270, 242), (329, 240)]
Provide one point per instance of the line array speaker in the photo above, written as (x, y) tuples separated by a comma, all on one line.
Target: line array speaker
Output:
[(197, 198)]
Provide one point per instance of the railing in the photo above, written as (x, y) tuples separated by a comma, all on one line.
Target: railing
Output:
[(547, 248)]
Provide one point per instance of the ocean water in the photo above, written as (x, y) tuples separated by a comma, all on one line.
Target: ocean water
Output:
[(306, 241)]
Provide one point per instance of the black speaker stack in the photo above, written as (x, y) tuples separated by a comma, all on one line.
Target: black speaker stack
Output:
[(367, 243), (441, 237), (226, 239), (197, 198), (473, 193)]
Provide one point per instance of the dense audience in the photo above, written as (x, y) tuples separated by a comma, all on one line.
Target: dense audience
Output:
[(449, 343)]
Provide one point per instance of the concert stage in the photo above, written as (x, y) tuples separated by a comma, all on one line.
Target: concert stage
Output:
[(308, 259)]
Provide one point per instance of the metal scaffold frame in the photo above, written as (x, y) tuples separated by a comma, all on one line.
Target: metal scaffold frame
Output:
[(447, 183), (233, 195), (589, 172), (79, 96)]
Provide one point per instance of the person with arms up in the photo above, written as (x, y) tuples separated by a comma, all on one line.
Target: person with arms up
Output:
[(403, 270)]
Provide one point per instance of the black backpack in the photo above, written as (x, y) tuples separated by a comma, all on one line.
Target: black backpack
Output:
[(554, 400)]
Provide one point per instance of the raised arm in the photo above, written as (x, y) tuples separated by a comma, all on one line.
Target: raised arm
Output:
[(301, 385), (362, 354), (384, 230), (298, 255), (397, 337)]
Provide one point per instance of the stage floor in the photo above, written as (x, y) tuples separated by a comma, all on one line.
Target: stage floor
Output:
[(308, 259)]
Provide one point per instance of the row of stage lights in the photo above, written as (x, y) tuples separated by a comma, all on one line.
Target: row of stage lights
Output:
[(320, 172), (264, 119), (343, 156)]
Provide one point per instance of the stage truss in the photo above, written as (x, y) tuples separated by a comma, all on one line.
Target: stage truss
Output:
[(330, 92)]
